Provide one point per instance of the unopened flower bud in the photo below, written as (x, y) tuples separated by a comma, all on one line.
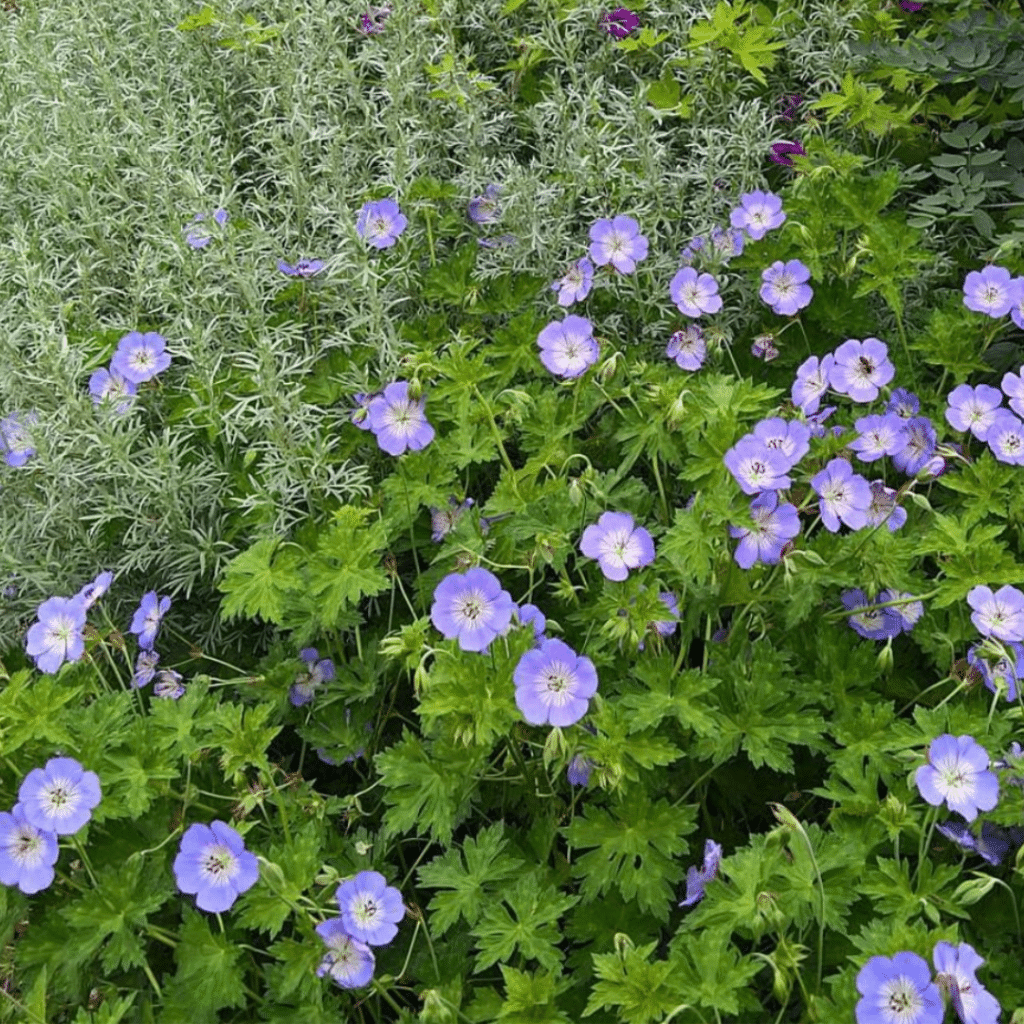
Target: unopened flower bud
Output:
[(575, 491), (415, 390)]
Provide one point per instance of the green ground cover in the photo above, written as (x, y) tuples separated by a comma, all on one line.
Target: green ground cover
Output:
[(512, 511)]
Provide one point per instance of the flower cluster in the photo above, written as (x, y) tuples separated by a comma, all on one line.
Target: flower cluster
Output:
[(901, 988), (53, 801), (370, 912)]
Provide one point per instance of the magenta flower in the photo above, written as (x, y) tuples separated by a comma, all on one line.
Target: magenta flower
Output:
[(1000, 615), (973, 409), (27, 853), (898, 991), (554, 684), (620, 22), (213, 865), (399, 421), (698, 878), (568, 349), (756, 468), (958, 774), (349, 962), (772, 527), (617, 545), (140, 357), (60, 797), (304, 268), (617, 241), (1005, 438), (380, 222), (992, 291), (758, 213), (845, 496), (784, 287), (372, 22), (370, 908), (782, 151), (575, 285), (861, 368), (688, 348), (955, 966), (472, 608), (693, 294)]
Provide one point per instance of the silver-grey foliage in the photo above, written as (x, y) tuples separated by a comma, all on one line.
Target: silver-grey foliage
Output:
[(118, 129)]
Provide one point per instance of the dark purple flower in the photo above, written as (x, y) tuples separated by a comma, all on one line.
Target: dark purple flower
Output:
[(782, 151), (620, 22)]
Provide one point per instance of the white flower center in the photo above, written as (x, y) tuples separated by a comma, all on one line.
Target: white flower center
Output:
[(218, 864)]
